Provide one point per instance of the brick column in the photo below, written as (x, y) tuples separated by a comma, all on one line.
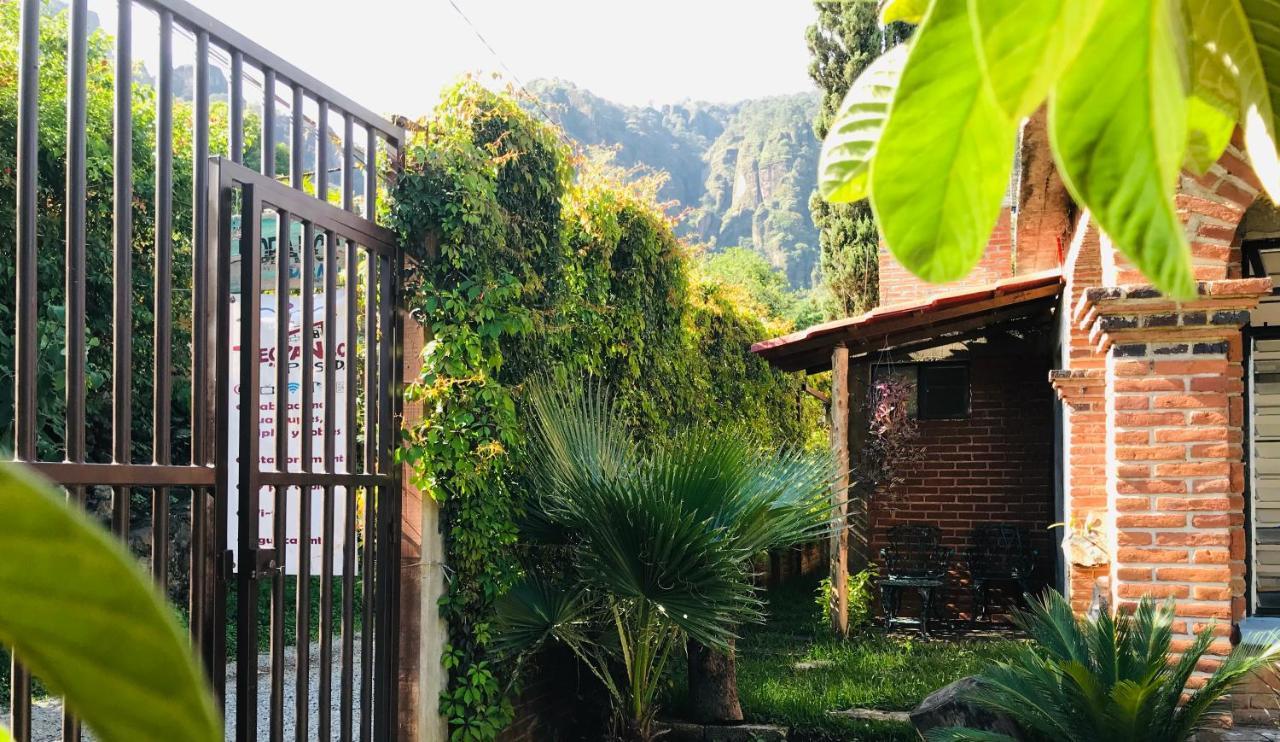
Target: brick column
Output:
[(1174, 446), (1085, 481)]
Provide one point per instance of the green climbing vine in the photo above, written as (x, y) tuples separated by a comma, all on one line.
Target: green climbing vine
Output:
[(536, 270)]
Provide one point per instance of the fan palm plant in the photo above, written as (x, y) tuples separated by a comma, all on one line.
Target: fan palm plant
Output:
[(1106, 679), (657, 545)]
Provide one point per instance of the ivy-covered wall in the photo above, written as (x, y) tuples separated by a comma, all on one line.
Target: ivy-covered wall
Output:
[(537, 270)]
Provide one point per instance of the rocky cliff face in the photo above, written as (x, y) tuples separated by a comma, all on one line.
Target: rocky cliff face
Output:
[(744, 171)]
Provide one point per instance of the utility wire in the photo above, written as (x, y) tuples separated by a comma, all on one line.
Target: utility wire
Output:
[(510, 73)]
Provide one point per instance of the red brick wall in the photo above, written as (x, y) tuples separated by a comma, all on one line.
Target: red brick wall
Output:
[(995, 466), (898, 285)]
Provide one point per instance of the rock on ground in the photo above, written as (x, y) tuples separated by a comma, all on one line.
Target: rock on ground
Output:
[(947, 707)]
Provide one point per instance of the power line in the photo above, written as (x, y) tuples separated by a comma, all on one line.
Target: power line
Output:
[(510, 73)]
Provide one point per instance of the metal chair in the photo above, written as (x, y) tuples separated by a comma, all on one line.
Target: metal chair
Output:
[(913, 560), (998, 552)]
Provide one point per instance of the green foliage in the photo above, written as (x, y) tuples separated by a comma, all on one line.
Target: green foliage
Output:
[(844, 41), (1113, 678), (754, 287), (658, 545), (759, 285), (532, 274), (847, 149), (1136, 91), (942, 165), (860, 587), (87, 621), (51, 224)]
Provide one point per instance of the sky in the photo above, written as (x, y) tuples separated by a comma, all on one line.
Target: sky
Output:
[(394, 56)]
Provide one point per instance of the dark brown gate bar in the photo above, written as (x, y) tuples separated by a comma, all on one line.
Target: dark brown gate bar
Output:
[(160, 453)]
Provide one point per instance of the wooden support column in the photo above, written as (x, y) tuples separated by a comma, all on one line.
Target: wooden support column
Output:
[(839, 551)]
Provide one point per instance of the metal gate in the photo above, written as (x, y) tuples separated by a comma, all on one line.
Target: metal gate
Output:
[(335, 331), (293, 512)]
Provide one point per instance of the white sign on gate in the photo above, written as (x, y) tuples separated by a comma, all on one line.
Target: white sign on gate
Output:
[(298, 352)]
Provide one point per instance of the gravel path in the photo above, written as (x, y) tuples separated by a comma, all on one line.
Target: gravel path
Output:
[(46, 716)]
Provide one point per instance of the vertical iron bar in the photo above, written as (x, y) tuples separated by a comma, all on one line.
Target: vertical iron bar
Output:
[(388, 546), (371, 174), (122, 313), (236, 94), (330, 454), (322, 151), (25, 337), (219, 236), (296, 143), (77, 55), (163, 302), (77, 99), (372, 416), (306, 416), (200, 336), (247, 525), (280, 515), (269, 123), (349, 525), (348, 164)]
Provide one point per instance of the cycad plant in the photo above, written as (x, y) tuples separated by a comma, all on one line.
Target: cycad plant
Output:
[(653, 548), (1108, 679)]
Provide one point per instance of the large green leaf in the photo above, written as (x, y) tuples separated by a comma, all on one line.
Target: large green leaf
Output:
[(1260, 92), (80, 614), (1209, 127), (1118, 124), (1224, 71), (1025, 44), (850, 143), (907, 11), (942, 165)]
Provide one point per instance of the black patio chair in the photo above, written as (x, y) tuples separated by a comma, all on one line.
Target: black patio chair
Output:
[(913, 560), (998, 552)]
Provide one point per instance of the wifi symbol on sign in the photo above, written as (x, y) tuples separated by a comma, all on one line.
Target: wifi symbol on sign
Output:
[(294, 387)]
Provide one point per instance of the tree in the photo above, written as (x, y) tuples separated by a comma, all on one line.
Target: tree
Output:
[(1136, 92), (657, 545), (843, 42)]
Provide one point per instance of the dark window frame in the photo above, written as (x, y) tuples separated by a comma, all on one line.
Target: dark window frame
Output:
[(919, 373), (927, 410)]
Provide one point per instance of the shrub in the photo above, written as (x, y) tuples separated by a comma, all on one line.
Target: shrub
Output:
[(861, 590), (1113, 678)]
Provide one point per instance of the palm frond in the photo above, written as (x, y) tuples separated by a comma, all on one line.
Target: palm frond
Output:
[(1111, 678), (1050, 621), (575, 436), (1243, 662), (535, 610)]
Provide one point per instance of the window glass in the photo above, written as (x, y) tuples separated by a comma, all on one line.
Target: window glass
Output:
[(943, 390)]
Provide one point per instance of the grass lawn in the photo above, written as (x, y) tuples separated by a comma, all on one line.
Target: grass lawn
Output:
[(873, 670)]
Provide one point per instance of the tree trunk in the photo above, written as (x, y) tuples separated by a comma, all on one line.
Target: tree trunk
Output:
[(713, 684)]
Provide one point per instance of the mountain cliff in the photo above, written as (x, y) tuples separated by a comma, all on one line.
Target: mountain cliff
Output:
[(742, 171)]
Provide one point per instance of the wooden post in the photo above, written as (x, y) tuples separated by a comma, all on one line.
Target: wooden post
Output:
[(839, 551)]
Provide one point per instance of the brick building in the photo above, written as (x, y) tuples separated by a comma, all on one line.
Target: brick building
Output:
[(1071, 391)]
